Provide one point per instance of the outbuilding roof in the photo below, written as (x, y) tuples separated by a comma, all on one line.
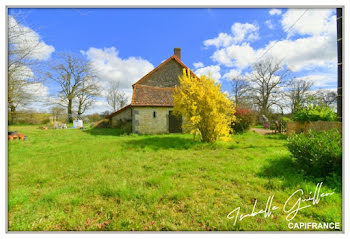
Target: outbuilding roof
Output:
[(118, 111), (144, 95)]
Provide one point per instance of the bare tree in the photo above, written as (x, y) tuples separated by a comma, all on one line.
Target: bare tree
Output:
[(297, 93), (115, 97), (239, 89), (105, 113), (86, 95), (21, 45), (23, 49), (58, 112), (73, 74), (324, 97), (266, 82), (18, 95)]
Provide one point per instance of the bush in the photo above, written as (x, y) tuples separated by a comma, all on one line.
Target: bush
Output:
[(317, 153), (124, 126), (245, 118), (315, 113), (28, 117), (206, 110)]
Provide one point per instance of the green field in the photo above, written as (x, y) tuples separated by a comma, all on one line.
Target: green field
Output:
[(98, 180)]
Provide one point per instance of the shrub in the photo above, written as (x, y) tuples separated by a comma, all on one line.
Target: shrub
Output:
[(124, 126), (317, 153), (205, 109), (29, 117), (315, 113), (245, 118)]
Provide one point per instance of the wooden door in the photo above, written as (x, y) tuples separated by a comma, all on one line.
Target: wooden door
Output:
[(174, 123)]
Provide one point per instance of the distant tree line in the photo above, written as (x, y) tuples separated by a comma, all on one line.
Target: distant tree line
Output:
[(270, 89)]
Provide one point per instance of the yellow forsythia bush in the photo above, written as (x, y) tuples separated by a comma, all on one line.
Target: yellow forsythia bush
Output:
[(206, 110)]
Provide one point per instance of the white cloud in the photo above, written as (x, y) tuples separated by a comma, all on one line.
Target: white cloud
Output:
[(269, 24), (223, 39), (110, 67), (214, 71), (320, 81), (246, 31), (301, 53), (21, 73), (240, 56), (239, 32), (24, 37), (275, 11), (39, 91), (198, 64), (39, 100), (99, 106), (313, 22), (232, 74)]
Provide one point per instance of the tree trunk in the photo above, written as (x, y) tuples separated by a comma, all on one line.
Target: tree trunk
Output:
[(70, 119), (79, 110), (12, 114)]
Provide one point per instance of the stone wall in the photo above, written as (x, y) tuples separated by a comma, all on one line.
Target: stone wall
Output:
[(144, 121), (123, 116), (166, 76)]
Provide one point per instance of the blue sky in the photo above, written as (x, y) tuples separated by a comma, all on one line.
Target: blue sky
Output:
[(125, 44)]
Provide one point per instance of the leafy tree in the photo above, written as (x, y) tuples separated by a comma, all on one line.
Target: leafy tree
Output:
[(313, 112), (206, 110)]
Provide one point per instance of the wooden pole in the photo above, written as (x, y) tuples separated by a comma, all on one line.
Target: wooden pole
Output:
[(340, 62)]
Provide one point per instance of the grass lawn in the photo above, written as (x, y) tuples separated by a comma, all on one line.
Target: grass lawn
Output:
[(98, 180)]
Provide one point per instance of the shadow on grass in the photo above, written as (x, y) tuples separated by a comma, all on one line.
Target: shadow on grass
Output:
[(285, 169), (163, 142), (105, 131), (277, 136)]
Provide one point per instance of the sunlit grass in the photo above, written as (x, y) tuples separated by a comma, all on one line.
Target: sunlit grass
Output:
[(98, 179)]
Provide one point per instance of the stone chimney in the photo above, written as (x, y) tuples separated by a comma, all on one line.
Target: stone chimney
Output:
[(177, 52)]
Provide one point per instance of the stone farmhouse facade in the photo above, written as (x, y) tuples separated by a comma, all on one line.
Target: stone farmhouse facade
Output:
[(150, 111)]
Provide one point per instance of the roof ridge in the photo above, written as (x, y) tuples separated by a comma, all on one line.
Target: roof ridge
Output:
[(156, 87), (162, 64)]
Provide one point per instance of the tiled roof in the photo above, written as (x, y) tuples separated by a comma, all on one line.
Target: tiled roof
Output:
[(152, 96)]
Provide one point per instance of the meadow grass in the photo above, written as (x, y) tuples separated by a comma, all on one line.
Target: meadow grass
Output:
[(98, 179)]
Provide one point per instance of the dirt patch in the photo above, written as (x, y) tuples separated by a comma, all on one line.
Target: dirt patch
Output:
[(262, 131)]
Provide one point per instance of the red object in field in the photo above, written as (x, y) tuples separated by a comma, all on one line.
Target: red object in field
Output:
[(13, 136)]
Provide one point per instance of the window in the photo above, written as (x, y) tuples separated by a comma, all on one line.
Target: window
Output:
[(154, 114)]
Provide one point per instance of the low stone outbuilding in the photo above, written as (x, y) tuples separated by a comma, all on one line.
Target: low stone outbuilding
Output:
[(150, 111)]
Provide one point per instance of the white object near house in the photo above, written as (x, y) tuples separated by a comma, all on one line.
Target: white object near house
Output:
[(77, 123)]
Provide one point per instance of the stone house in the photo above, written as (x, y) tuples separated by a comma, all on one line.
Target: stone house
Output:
[(150, 111)]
